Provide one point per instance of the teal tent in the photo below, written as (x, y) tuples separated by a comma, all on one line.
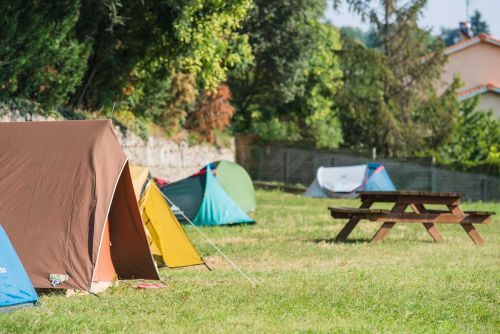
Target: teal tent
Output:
[(15, 287), (202, 200), (235, 180)]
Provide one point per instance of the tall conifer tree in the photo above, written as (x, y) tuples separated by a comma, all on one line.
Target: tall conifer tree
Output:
[(401, 106)]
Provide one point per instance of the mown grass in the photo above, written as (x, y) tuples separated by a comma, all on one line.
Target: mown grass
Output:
[(305, 282)]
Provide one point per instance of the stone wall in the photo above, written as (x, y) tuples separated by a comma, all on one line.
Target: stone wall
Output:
[(169, 159), (165, 158)]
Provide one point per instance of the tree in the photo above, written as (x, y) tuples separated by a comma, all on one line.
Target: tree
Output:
[(365, 38), (479, 26), (450, 36), (41, 57), (359, 98), (392, 90), (214, 112), (154, 59), (315, 110), (288, 91), (139, 46), (476, 141)]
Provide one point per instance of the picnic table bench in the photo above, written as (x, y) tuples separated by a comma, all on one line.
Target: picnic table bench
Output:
[(417, 201)]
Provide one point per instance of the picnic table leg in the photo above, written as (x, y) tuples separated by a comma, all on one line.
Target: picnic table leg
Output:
[(468, 228), (430, 227), (347, 229), (351, 224), (387, 226), (433, 231), (473, 233), (383, 231)]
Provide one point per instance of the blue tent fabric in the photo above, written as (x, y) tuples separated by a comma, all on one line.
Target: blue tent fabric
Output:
[(372, 167), (378, 179), (15, 287), (217, 208)]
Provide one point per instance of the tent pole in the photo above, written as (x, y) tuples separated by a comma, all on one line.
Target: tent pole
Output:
[(212, 243)]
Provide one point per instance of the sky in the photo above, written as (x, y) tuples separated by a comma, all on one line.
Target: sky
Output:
[(439, 13)]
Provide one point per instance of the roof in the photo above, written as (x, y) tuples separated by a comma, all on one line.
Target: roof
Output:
[(481, 38), (477, 90)]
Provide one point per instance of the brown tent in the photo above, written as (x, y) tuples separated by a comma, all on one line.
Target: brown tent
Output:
[(68, 204)]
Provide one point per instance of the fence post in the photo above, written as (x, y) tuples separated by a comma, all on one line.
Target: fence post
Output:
[(287, 165), (261, 159), (483, 189), (433, 178)]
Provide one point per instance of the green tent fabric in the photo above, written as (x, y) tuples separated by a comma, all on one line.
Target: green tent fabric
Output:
[(235, 180), (203, 201), (218, 208)]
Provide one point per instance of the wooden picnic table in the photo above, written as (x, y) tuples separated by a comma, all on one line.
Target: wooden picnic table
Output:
[(417, 201)]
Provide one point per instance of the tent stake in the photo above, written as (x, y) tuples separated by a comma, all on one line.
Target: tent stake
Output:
[(211, 242)]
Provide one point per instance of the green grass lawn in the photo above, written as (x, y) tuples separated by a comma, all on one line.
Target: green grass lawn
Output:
[(305, 282)]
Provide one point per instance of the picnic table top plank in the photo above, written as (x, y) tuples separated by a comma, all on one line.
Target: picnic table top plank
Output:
[(410, 193), (412, 197), (378, 215), (383, 211), (357, 210), (374, 211)]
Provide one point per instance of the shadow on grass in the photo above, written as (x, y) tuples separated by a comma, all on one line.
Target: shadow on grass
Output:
[(243, 224), (335, 241), (50, 292), (368, 240)]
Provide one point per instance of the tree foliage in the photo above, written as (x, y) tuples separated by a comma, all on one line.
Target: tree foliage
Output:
[(288, 92), (149, 57), (41, 57), (214, 112), (277, 66), (366, 38), (388, 100), (315, 108), (476, 140), (142, 45)]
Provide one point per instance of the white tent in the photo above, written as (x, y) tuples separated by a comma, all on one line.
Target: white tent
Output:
[(345, 181), (332, 180)]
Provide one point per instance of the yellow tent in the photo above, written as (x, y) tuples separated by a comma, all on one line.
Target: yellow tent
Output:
[(168, 242), (140, 177)]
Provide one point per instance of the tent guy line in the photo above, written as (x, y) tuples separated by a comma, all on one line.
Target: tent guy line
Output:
[(211, 242)]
